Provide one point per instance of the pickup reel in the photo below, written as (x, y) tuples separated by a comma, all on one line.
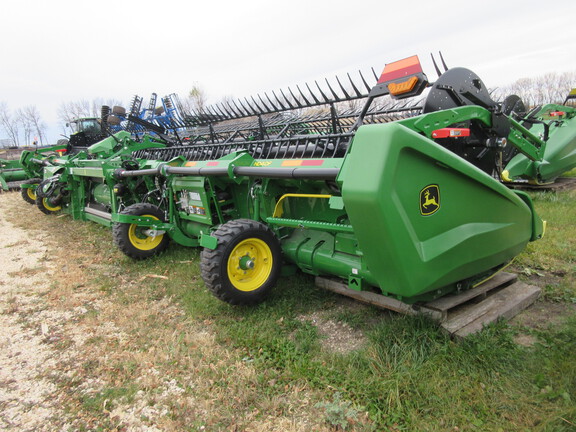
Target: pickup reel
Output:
[(485, 147)]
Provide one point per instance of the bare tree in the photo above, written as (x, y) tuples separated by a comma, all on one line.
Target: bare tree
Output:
[(69, 111), (197, 98), (10, 124), (27, 126), (30, 117), (548, 88)]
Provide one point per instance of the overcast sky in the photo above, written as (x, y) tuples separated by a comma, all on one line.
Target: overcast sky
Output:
[(63, 50)]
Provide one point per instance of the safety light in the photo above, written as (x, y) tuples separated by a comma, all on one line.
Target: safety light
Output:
[(403, 87)]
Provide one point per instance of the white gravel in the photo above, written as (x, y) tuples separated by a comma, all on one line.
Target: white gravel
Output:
[(26, 399)]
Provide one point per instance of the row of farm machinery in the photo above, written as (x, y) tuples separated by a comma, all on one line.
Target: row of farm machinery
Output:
[(405, 196), (138, 120)]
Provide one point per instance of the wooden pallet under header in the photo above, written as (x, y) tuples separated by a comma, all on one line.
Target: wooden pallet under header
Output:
[(461, 314), (560, 184)]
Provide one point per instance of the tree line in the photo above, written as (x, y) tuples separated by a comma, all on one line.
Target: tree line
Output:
[(541, 90), (24, 123)]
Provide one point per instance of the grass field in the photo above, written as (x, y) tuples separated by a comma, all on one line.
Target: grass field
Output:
[(309, 357)]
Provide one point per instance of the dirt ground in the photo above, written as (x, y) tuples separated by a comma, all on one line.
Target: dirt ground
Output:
[(45, 341), (26, 401), (50, 345), (65, 345)]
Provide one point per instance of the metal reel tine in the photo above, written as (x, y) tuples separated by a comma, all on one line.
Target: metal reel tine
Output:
[(255, 111), (286, 99), (246, 110), (235, 114), (295, 98), (326, 100), (313, 95), (205, 113), (271, 103), (196, 116), (220, 111), (435, 66), (205, 117), (264, 103), (346, 95), (332, 90), (368, 88), (302, 94), (241, 110), (443, 62), (278, 100), (358, 94), (257, 106), (376, 77), (228, 113), (213, 112)]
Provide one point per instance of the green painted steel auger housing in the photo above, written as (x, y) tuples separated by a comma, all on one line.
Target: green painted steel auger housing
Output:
[(552, 128), (83, 184), (33, 163), (399, 199), (76, 176), (88, 141), (11, 173)]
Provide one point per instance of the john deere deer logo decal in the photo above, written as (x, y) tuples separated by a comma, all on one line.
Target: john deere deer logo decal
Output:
[(429, 200)]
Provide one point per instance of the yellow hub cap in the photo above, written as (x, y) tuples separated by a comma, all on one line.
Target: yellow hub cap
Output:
[(50, 207), (31, 194), (250, 264), (140, 240)]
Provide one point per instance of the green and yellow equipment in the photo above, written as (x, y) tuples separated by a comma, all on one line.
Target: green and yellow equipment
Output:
[(383, 199), (11, 174), (87, 131), (552, 130), (402, 198)]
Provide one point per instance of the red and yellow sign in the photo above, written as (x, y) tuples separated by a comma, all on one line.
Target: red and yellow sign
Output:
[(400, 69)]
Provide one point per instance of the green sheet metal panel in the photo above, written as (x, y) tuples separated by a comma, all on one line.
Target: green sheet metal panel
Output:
[(413, 242)]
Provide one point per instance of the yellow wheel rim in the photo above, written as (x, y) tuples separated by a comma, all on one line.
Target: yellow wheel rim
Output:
[(250, 264), (31, 193), (140, 240), (49, 207)]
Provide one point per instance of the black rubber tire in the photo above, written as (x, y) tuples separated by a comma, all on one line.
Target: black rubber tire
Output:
[(118, 110), (29, 194), (513, 104), (46, 207), (214, 262), (124, 235), (113, 120), (104, 113)]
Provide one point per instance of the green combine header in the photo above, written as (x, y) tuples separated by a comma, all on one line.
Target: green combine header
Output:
[(384, 206), (401, 198), (11, 174)]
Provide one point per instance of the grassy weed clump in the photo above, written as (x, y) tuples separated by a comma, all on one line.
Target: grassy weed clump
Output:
[(340, 413)]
